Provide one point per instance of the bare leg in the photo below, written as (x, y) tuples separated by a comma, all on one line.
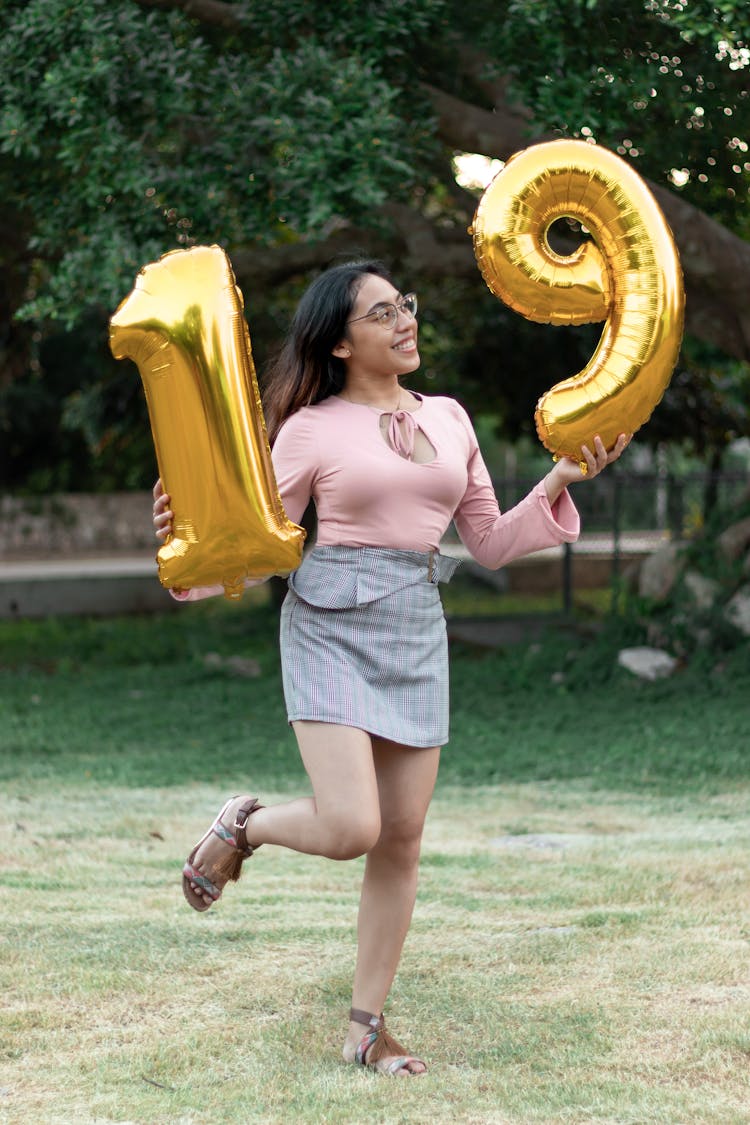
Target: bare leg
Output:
[(369, 796), (406, 779), (340, 821)]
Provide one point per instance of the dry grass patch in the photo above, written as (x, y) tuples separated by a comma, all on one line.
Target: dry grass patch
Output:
[(575, 957)]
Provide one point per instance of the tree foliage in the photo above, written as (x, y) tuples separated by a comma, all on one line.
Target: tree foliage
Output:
[(665, 84), (293, 133), (147, 132)]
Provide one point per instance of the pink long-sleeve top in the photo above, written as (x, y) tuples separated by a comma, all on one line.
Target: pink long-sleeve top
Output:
[(369, 491), (368, 494)]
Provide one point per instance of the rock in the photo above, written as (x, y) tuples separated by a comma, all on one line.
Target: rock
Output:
[(647, 663), (737, 610), (243, 666), (732, 542), (659, 573), (704, 591)]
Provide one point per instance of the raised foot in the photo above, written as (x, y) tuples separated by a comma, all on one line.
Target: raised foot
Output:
[(219, 854)]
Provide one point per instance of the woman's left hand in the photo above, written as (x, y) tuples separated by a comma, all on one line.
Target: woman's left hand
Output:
[(568, 471)]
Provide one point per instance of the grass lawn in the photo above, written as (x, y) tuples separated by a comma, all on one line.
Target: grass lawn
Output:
[(580, 950)]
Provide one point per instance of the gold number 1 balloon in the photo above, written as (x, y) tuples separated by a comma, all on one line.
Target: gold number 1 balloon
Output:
[(183, 325), (629, 275)]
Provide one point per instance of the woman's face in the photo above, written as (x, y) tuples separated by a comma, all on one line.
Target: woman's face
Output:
[(372, 347)]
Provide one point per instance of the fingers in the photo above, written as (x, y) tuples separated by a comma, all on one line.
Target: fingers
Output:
[(162, 513), (620, 446), (588, 457), (600, 458), (600, 454), (163, 525), (597, 460)]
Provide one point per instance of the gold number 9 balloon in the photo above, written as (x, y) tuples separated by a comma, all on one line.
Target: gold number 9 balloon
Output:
[(184, 327), (629, 275)]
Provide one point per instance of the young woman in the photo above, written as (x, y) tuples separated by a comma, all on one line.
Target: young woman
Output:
[(363, 639)]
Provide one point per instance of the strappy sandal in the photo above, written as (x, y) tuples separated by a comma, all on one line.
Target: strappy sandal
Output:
[(226, 868), (377, 1044)]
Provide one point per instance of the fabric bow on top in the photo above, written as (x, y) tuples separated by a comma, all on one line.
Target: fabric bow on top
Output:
[(401, 431)]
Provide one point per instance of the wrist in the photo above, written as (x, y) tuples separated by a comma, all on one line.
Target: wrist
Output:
[(554, 483)]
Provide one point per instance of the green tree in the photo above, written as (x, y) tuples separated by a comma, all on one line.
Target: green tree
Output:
[(295, 132)]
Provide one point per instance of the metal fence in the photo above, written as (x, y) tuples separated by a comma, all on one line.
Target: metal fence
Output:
[(625, 516), (673, 505)]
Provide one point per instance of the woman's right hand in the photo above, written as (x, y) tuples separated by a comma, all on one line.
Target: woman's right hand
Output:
[(162, 512)]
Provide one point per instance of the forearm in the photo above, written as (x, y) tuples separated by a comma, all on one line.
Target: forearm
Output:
[(531, 525), (556, 481)]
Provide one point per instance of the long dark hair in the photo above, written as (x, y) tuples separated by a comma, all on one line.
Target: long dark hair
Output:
[(306, 371)]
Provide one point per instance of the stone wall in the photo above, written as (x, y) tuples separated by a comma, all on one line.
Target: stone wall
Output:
[(89, 525), (80, 524)]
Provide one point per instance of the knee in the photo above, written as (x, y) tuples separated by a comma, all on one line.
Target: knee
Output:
[(349, 839), (401, 839)]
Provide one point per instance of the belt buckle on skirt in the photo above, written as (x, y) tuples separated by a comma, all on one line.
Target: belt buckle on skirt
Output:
[(432, 575)]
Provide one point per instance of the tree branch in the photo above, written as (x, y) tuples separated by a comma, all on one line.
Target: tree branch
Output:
[(716, 275), (214, 12), (261, 266), (715, 262), (469, 128), (409, 243)]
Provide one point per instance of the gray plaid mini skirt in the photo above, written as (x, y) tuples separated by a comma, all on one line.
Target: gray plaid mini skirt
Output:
[(363, 642)]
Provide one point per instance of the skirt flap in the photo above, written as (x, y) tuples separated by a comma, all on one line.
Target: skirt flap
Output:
[(345, 577)]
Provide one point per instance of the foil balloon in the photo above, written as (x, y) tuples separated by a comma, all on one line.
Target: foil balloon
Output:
[(184, 327), (628, 275)]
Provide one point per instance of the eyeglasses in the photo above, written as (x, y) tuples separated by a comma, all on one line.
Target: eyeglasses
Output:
[(387, 314)]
